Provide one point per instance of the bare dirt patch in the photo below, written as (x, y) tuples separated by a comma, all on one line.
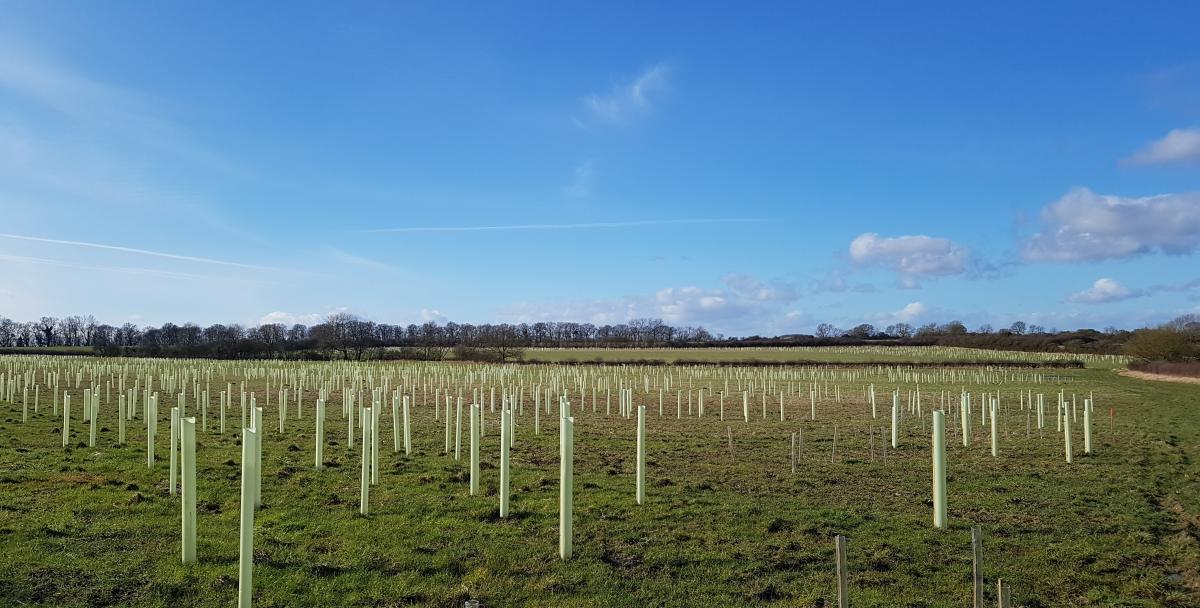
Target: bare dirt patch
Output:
[(1128, 373)]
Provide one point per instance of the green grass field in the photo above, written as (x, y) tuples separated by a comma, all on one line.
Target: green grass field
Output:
[(95, 527)]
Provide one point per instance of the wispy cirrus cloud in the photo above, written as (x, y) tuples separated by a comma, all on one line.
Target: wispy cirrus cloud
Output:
[(1176, 88), (626, 101), (344, 257), (583, 180), (586, 225), (32, 75), (70, 136), (116, 110)]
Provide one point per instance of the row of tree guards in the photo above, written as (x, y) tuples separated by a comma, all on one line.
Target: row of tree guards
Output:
[(445, 389)]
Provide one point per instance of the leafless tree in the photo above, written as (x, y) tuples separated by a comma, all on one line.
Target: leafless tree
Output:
[(46, 329), (826, 330)]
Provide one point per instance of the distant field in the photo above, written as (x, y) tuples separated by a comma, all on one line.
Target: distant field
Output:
[(798, 354), (832, 354), (46, 350)]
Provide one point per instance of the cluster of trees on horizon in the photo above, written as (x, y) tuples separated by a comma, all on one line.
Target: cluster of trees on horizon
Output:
[(346, 336)]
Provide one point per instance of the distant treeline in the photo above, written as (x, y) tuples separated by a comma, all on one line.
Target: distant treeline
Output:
[(345, 336)]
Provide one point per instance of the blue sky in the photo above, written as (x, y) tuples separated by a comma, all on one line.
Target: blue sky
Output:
[(752, 171)]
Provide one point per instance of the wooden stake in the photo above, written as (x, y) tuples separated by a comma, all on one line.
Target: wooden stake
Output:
[(793, 453), (843, 586)]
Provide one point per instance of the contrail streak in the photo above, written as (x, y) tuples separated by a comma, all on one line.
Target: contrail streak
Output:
[(564, 226), (157, 254), (124, 269)]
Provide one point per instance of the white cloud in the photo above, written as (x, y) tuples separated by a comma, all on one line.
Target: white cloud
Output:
[(751, 288), (583, 180), (690, 305), (432, 314), (1180, 145), (288, 318), (910, 313), (1103, 290), (744, 303), (912, 257), (628, 100), (1085, 226)]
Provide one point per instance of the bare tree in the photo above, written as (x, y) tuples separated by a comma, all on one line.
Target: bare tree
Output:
[(504, 343), (335, 332), (46, 326)]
